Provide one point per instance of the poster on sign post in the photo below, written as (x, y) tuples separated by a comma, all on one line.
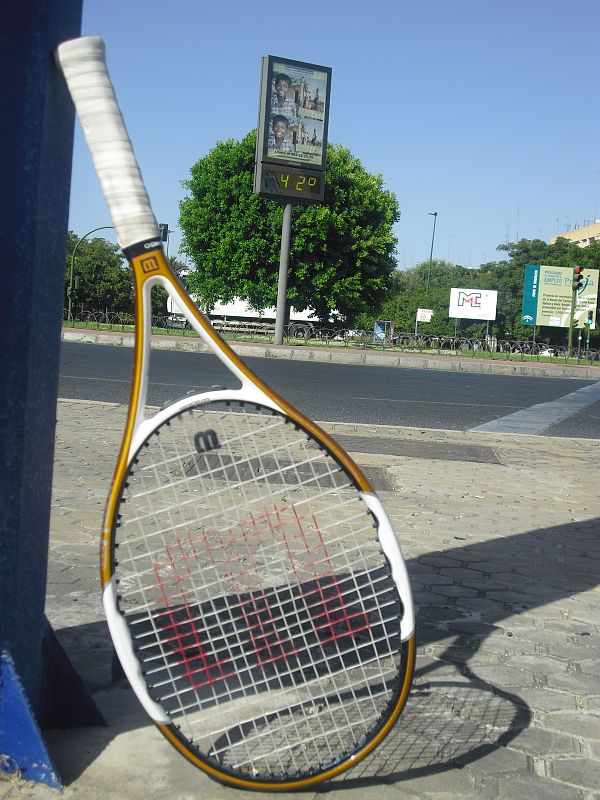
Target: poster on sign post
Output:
[(473, 304), (424, 314), (548, 295)]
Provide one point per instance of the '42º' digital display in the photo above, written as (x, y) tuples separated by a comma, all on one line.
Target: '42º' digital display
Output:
[(302, 186)]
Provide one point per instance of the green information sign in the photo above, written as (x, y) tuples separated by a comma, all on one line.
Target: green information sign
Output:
[(547, 296)]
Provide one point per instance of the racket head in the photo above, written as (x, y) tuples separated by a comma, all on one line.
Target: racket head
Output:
[(262, 619)]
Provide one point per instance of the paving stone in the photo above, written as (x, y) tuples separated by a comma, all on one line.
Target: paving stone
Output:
[(580, 771), (453, 590), (530, 787), (360, 792), (513, 597), (504, 677), (539, 636), (429, 579), (439, 561), (506, 646), (580, 724), (568, 625), (594, 748), (574, 649), (482, 584), (457, 572), (574, 682), (451, 782), (457, 655), (537, 664), (500, 760), (475, 627), (590, 667), (489, 609), (440, 613), (539, 742), (543, 699)]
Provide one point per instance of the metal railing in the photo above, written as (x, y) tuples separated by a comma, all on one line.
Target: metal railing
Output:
[(490, 347)]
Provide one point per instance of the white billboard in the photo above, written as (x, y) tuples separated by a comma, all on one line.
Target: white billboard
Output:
[(473, 303)]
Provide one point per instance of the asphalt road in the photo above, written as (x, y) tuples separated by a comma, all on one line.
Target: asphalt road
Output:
[(340, 392)]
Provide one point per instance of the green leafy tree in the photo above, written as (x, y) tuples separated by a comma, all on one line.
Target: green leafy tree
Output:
[(104, 279), (428, 286), (508, 277), (341, 252), (407, 290), (105, 282)]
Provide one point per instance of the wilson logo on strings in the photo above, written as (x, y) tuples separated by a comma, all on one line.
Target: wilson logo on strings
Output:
[(206, 441)]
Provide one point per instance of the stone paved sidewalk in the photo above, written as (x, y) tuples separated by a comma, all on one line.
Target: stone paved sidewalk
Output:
[(502, 540)]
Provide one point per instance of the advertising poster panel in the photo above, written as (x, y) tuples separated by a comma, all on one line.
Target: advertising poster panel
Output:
[(296, 113), (548, 292), (473, 303)]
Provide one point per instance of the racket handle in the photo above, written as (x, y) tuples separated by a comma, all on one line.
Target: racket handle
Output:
[(83, 64)]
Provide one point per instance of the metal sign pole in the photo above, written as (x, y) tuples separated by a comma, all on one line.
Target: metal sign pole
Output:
[(286, 227)]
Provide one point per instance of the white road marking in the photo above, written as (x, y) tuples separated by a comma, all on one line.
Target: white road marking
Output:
[(537, 418)]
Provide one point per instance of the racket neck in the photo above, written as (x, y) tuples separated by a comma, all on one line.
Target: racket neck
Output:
[(150, 267)]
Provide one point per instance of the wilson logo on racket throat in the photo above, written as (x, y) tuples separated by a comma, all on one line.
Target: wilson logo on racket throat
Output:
[(149, 264), (206, 441)]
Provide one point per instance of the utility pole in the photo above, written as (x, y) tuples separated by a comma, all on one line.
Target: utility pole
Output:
[(434, 215)]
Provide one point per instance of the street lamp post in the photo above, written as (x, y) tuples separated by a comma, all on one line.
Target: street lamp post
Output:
[(434, 215), (70, 301)]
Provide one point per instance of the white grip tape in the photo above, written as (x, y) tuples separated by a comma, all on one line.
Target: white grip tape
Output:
[(83, 64)]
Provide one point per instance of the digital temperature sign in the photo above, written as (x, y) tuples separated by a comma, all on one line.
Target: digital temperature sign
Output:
[(285, 183), (291, 141)]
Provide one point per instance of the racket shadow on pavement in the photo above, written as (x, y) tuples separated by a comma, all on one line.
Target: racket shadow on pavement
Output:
[(468, 601)]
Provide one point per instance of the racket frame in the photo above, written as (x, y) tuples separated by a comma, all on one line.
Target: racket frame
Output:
[(137, 232)]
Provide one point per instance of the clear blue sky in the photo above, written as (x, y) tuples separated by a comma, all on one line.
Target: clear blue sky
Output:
[(485, 111)]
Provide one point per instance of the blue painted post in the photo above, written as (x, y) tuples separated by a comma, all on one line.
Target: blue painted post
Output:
[(36, 139), (22, 750)]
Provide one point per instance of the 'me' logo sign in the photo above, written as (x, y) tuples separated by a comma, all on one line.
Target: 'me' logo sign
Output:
[(468, 303), (471, 299)]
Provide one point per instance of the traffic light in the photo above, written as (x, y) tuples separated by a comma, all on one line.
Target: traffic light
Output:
[(577, 278), (164, 231), (590, 318)]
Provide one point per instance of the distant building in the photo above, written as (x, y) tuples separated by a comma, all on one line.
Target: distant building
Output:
[(581, 236)]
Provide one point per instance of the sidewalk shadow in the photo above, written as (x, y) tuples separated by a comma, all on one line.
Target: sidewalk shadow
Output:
[(461, 594)]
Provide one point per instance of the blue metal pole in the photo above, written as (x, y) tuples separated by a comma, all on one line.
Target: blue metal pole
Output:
[(36, 141)]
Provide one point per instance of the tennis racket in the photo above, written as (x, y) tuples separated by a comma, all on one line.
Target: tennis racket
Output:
[(253, 585)]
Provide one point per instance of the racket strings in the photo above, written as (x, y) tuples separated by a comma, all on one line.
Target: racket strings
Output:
[(252, 580), (246, 469)]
